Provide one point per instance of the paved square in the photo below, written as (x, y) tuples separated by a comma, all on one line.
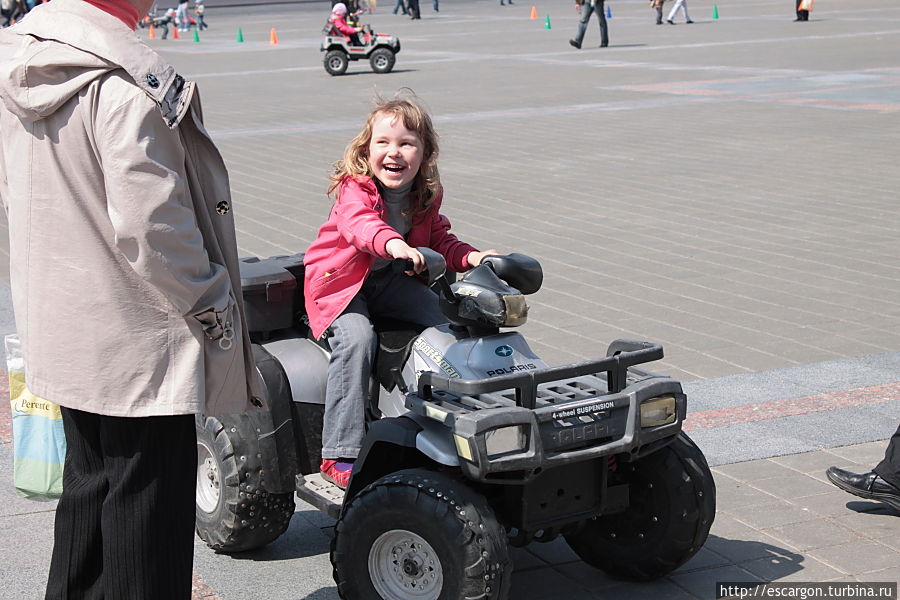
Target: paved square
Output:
[(727, 188)]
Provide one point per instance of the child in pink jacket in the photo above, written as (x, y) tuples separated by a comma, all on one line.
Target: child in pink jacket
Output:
[(388, 202)]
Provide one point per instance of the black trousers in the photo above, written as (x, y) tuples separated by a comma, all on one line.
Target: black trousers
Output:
[(889, 468), (125, 522), (802, 15)]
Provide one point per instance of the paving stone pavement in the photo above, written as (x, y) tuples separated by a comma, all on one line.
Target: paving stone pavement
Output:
[(727, 188)]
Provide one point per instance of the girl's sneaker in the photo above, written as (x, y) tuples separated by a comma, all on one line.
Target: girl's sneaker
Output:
[(337, 471)]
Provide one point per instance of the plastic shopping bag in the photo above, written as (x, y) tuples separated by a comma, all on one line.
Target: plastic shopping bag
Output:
[(39, 441)]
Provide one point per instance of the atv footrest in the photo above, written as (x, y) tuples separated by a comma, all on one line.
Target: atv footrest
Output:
[(322, 494)]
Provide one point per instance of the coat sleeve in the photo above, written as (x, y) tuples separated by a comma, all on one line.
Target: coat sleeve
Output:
[(359, 220), (4, 186), (151, 211), (454, 250)]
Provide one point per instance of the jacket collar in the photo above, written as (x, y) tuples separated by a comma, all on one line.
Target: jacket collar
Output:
[(89, 29)]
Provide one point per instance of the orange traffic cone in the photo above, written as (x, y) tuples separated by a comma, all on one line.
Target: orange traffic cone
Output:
[(273, 39), (175, 33), (533, 13), (152, 34)]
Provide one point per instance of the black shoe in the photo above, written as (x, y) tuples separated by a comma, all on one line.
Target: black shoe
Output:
[(604, 45), (659, 22), (688, 22), (867, 485), (575, 43), (670, 21)]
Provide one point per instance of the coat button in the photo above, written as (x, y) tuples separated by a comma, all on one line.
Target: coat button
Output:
[(222, 207), (256, 402), (152, 81)]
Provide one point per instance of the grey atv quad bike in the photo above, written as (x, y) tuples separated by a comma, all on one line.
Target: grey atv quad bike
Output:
[(380, 49), (472, 444)]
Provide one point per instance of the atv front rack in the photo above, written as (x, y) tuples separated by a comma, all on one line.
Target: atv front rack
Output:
[(530, 420)]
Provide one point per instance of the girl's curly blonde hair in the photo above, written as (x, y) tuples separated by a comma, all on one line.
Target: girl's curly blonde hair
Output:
[(414, 117)]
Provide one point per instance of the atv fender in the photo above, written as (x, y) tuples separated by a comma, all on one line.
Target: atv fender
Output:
[(392, 444), (273, 427)]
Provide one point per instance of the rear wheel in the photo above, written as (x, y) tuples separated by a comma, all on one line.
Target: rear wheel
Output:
[(418, 534), (234, 513), (382, 60), (336, 62), (672, 504)]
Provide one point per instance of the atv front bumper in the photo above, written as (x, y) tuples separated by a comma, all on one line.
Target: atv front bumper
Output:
[(509, 428)]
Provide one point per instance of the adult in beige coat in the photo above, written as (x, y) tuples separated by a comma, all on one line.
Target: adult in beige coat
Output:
[(125, 286)]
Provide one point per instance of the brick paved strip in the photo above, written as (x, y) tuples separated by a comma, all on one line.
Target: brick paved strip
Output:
[(201, 591), (774, 409)]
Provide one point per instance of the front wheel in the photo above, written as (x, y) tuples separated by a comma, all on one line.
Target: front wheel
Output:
[(336, 62), (382, 60), (234, 513), (423, 535), (672, 504)]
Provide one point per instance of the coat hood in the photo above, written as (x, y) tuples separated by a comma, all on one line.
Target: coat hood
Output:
[(57, 49)]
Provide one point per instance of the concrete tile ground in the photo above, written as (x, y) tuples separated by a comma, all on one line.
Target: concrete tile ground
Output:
[(728, 189)]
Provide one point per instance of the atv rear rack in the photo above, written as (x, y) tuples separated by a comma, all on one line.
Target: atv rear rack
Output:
[(568, 413)]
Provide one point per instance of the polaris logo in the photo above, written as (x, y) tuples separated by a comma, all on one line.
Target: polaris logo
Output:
[(503, 351), (511, 369), (574, 435)]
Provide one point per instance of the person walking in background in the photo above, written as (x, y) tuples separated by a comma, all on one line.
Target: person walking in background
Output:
[(401, 5), (125, 287), (413, 7), (508, 2), (802, 14), (658, 6), (881, 483), (679, 5), (586, 8), (181, 16), (199, 10)]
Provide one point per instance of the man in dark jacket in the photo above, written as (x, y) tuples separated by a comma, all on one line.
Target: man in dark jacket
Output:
[(586, 8)]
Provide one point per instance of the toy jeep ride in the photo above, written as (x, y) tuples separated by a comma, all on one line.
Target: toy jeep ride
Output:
[(380, 49), (472, 444)]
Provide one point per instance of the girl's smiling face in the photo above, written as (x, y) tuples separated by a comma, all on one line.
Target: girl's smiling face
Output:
[(395, 152)]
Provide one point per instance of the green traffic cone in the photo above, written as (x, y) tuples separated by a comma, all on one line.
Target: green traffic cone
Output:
[(715, 14), (547, 22), (196, 36), (240, 37)]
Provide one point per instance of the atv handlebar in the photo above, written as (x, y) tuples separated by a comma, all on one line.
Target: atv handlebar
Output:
[(435, 265)]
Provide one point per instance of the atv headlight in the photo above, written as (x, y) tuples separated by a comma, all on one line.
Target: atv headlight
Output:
[(463, 448), (658, 411), (505, 440)]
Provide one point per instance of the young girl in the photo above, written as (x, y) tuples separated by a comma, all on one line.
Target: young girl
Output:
[(388, 200), (339, 25)]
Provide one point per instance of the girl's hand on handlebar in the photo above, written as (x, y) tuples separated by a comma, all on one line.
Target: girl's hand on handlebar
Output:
[(476, 257), (397, 248)]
